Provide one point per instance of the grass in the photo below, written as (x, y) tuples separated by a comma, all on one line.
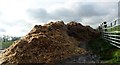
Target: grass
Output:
[(0, 45), (115, 56), (5, 44), (106, 51), (117, 28)]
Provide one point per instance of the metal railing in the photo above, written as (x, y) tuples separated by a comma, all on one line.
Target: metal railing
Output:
[(111, 32)]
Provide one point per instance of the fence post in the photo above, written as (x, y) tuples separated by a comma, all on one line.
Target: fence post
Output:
[(105, 26), (115, 22)]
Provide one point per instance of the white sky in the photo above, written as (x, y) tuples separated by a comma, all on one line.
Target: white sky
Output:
[(17, 17)]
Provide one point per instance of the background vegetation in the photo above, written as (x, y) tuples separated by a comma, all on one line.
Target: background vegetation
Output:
[(105, 50), (5, 44), (6, 41), (116, 28)]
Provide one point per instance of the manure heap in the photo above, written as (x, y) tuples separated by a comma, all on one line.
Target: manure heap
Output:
[(49, 43)]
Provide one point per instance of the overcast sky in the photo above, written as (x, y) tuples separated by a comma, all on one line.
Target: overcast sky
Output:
[(17, 17)]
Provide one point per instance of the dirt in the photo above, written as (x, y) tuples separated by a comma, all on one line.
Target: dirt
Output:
[(87, 58), (50, 43)]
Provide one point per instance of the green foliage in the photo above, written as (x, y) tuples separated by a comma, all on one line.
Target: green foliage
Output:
[(6, 41), (6, 44), (105, 50), (115, 56), (116, 28)]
